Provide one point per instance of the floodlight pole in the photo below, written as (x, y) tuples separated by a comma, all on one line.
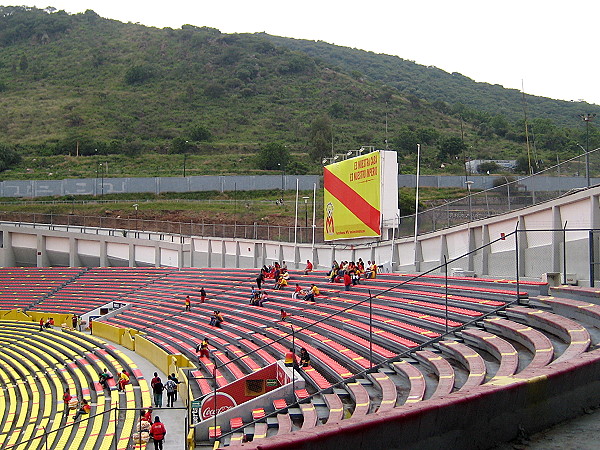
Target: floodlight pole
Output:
[(587, 118), (417, 202)]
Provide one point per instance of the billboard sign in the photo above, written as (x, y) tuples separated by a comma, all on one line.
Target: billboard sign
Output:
[(352, 207)]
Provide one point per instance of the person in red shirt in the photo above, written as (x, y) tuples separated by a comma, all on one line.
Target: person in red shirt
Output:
[(67, 398), (308, 268), (154, 380), (347, 281), (203, 349), (284, 315), (42, 324), (158, 432), (147, 416)]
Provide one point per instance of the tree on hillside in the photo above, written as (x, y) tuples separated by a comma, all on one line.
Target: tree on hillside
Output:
[(138, 74), (273, 156), (451, 146), (200, 133), (320, 138), (8, 157)]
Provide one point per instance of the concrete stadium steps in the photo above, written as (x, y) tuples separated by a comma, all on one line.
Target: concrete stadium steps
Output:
[(36, 367), (24, 287), (96, 287), (414, 359)]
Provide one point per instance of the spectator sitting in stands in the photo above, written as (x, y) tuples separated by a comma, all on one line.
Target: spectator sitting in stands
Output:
[(123, 380), (203, 349), (103, 378), (282, 281), (368, 270), (333, 274), (218, 319), (314, 291), (304, 358), (374, 270), (49, 323), (213, 319), (308, 268), (299, 292), (84, 409), (290, 359), (263, 298), (284, 315)]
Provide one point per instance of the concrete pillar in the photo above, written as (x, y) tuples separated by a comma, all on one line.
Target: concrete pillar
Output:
[(180, 256), (557, 240), (74, 260), (156, 255), (418, 256), (209, 256), (192, 259), (42, 256), (486, 250), (131, 255), (594, 223), (8, 253), (223, 250), (443, 250), (103, 255), (471, 247), (522, 237), (595, 212)]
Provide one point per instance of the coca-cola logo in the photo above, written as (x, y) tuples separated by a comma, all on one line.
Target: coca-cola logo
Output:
[(222, 403)]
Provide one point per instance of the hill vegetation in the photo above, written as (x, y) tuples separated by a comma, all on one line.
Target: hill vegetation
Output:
[(79, 89)]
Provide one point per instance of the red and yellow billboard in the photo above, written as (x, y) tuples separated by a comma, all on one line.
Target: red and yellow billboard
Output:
[(353, 198)]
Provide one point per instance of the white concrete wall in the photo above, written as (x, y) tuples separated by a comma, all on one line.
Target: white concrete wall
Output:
[(539, 251)]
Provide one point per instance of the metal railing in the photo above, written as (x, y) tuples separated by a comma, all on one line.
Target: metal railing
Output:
[(369, 301)]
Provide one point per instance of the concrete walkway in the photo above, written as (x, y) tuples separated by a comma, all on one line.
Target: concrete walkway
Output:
[(174, 419)]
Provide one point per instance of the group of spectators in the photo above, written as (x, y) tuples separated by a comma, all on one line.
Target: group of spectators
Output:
[(291, 360), (350, 273), (188, 300), (170, 386), (81, 406), (258, 297), (155, 429)]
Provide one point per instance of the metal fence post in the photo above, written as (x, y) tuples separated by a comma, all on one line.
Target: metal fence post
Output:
[(446, 289), (592, 262)]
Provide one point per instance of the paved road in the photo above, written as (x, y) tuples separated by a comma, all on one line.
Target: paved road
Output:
[(581, 433)]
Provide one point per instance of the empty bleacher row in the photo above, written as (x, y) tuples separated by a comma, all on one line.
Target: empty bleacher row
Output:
[(36, 367), (368, 354)]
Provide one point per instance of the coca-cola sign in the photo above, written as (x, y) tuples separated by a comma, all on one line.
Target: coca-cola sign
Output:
[(222, 403)]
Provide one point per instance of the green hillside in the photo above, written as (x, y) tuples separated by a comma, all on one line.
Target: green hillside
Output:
[(436, 85), (77, 89)]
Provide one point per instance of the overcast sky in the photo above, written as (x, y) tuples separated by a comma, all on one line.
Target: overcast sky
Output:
[(548, 46)]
